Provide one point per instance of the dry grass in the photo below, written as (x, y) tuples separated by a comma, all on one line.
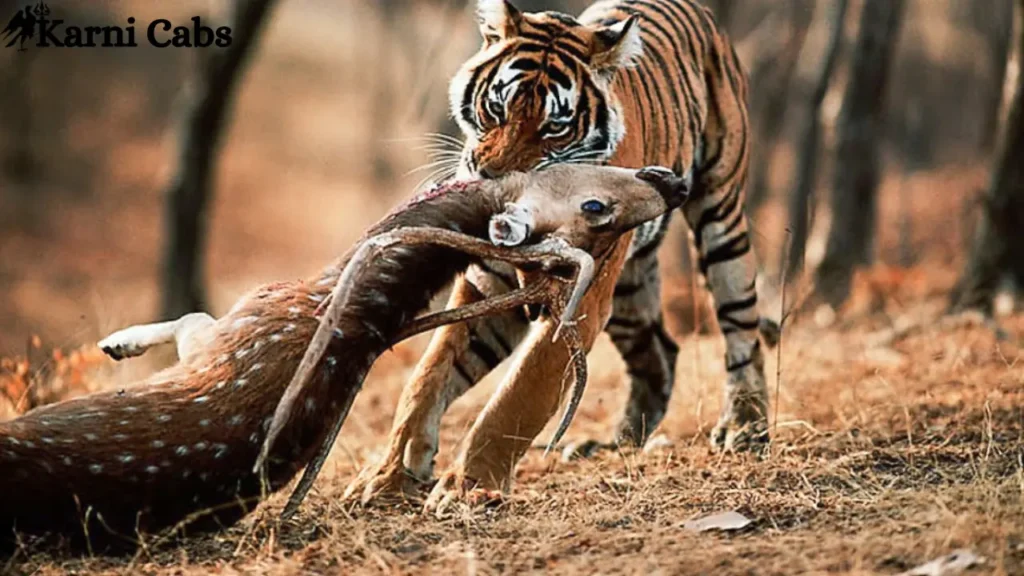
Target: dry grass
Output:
[(885, 456)]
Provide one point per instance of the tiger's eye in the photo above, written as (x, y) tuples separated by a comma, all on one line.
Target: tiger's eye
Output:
[(593, 207)]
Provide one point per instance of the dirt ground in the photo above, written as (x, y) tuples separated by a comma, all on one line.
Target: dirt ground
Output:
[(895, 442)]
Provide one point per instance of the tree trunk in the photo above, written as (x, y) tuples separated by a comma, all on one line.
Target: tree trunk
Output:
[(997, 249), (857, 173), (999, 49), (772, 80), (801, 199), (188, 193)]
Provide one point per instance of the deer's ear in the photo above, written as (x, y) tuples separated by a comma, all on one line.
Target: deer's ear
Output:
[(512, 227), (499, 20), (615, 46)]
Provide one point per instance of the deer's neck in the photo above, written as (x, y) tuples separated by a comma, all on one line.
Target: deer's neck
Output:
[(388, 292)]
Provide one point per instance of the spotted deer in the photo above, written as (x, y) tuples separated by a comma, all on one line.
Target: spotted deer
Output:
[(180, 448)]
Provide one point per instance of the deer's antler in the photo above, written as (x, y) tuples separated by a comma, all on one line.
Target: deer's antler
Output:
[(549, 254)]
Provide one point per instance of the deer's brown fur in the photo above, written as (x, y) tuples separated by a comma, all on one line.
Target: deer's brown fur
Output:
[(180, 446)]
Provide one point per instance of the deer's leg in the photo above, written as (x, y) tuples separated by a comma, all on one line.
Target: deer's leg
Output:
[(458, 356), (186, 332), (527, 398)]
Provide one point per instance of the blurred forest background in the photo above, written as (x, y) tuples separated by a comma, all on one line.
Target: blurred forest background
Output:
[(328, 123)]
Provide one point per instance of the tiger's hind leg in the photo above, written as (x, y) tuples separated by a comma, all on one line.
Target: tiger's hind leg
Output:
[(637, 329), (727, 261)]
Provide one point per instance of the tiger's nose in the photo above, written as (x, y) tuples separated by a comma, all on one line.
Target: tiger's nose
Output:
[(488, 173)]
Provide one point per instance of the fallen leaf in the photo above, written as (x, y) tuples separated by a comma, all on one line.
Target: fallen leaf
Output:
[(730, 520), (948, 565)]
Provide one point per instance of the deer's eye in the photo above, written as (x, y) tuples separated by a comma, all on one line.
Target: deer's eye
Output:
[(594, 207)]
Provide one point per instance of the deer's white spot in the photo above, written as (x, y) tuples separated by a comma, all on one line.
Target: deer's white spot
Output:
[(181, 450), (13, 440), (294, 310), (126, 457), (235, 420), (10, 455), (240, 382), (203, 476), (289, 328), (186, 473), (276, 337), (220, 385), (332, 361), (90, 437), (131, 409), (66, 460), (30, 444), (254, 438), (201, 399), (163, 418), (204, 422), (241, 354), (95, 468), (47, 440), (158, 444), (256, 367), (221, 450), (122, 423), (152, 469), (200, 446)]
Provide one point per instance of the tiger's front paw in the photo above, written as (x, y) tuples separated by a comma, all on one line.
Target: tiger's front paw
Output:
[(454, 491), (384, 484)]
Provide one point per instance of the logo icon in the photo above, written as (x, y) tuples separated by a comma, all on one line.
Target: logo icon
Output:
[(23, 24), (34, 26)]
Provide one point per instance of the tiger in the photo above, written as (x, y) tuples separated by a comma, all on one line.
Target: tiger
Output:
[(626, 83)]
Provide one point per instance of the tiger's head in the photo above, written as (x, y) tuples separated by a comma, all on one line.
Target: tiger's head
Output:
[(538, 91)]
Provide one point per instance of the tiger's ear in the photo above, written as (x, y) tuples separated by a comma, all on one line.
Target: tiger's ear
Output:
[(499, 20), (615, 46)]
